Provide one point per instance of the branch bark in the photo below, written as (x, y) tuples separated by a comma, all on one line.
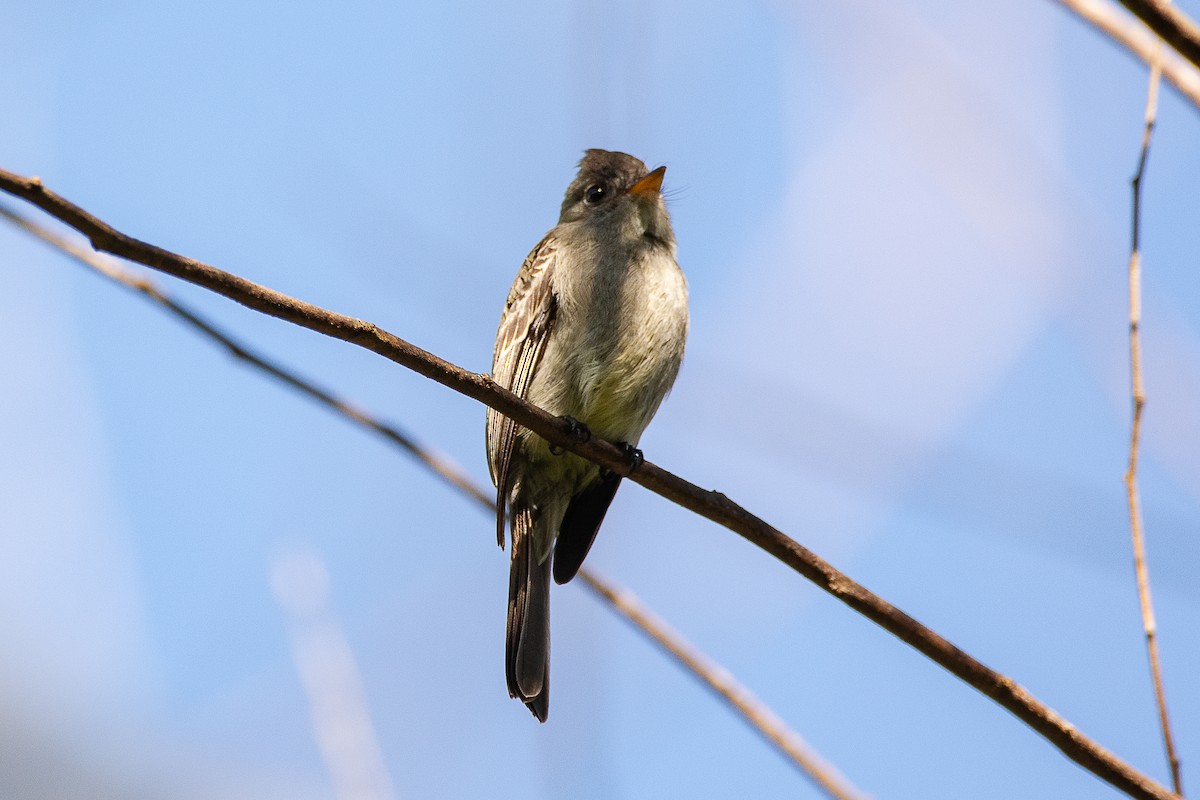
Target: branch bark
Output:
[(621, 600), (710, 504), (1174, 27), (1131, 34), (1138, 396)]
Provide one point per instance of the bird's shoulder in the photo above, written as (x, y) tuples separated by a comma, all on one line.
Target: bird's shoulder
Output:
[(536, 273), (531, 297)]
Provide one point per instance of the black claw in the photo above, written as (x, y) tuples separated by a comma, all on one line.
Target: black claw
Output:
[(577, 430), (635, 456)]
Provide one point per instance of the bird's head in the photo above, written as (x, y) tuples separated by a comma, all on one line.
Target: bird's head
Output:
[(616, 192)]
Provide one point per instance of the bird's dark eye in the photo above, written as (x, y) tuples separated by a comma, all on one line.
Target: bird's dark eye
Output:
[(594, 194)]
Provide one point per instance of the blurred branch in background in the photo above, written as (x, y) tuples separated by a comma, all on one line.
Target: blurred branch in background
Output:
[(1149, 626), (1139, 40), (710, 504), (621, 600), (341, 722)]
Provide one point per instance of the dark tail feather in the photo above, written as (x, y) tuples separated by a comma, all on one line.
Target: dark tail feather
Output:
[(527, 647), (540, 705), (580, 525)]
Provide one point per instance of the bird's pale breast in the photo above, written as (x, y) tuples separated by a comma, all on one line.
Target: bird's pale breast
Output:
[(624, 358)]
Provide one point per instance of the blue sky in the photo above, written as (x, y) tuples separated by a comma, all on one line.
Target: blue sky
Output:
[(905, 229)]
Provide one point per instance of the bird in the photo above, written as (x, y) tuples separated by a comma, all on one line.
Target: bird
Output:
[(593, 331)]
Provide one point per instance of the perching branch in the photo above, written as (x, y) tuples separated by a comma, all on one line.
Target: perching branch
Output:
[(618, 598), (709, 504), (1137, 389), (1137, 39), (1174, 27)]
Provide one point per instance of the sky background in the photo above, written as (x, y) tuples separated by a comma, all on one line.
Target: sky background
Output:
[(905, 230)]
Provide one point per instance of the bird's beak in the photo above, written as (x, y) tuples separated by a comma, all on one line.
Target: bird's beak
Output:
[(649, 185)]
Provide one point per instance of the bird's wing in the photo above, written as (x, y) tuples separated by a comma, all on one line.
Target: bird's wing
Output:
[(524, 330), (580, 525)]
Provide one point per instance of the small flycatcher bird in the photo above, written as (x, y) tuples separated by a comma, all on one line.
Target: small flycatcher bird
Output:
[(594, 330)]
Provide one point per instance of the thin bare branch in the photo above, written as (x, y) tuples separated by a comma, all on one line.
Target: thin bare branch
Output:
[(1174, 27), (724, 684), (710, 504), (620, 599), (446, 469), (1142, 572), (1135, 37)]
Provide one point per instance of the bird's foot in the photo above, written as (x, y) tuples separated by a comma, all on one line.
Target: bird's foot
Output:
[(635, 456), (578, 431)]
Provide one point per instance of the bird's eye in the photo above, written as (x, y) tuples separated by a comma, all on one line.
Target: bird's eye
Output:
[(594, 194)]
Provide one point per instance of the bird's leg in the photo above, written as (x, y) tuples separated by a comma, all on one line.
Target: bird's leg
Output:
[(636, 459), (578, 431)]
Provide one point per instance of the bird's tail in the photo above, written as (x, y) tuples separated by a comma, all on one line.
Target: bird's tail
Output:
[(527, 649)]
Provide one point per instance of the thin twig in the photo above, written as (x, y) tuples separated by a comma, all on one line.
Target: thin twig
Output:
[(1175, 27), (710, 504), (1131, 34), (1137, 388), (620, 599), (724, 684), (139, 283)]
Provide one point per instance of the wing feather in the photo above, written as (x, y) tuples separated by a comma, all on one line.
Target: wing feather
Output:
[(525, 328)]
